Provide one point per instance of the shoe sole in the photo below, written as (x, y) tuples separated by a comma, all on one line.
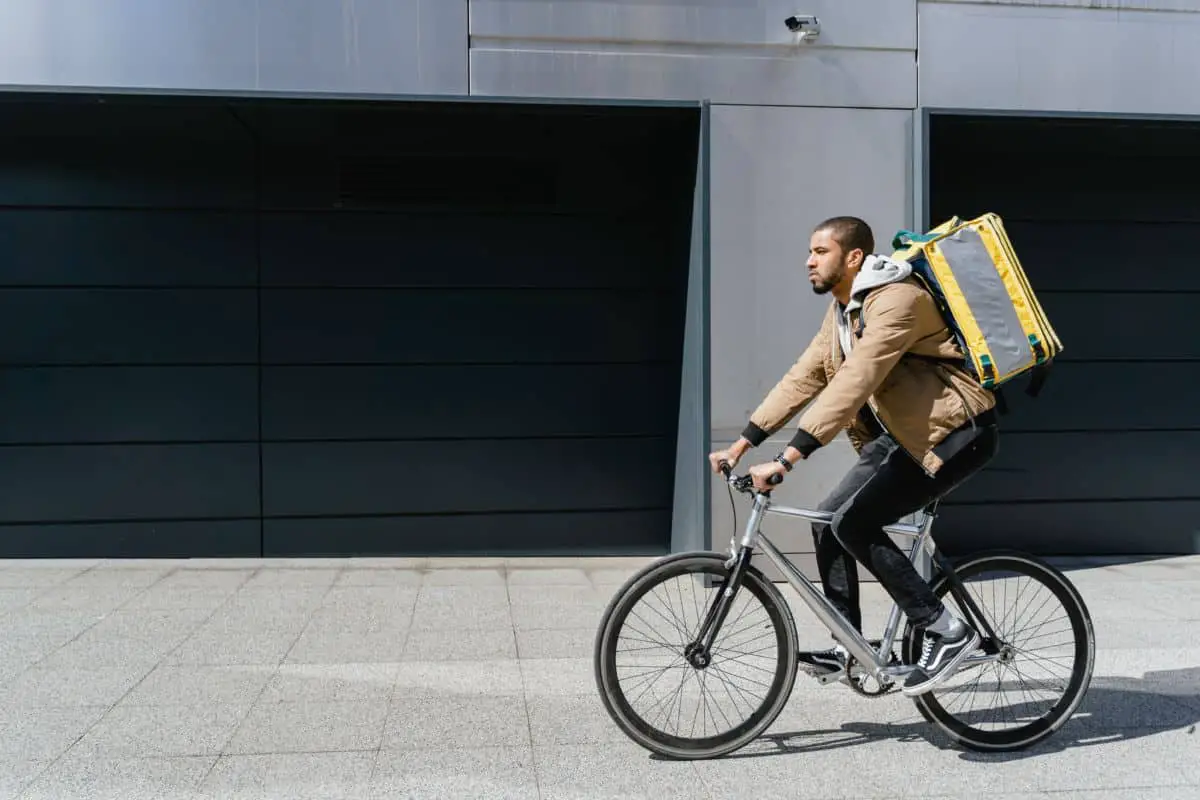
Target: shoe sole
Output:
[(947, 671)]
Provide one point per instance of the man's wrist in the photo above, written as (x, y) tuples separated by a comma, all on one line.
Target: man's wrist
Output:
[(791, 455)]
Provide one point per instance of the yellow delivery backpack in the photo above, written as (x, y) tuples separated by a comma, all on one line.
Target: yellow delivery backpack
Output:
[(972, 271)]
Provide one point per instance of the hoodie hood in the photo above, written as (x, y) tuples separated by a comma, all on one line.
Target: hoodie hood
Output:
[(876, 271)]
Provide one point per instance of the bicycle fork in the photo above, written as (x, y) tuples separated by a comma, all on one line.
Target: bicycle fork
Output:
[(699, 652)]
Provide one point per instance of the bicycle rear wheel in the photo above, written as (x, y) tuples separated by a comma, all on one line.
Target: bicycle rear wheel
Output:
[(656, 696), (1048, 653)]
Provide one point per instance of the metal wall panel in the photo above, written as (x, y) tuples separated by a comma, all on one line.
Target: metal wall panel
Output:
[(387, 46), (101, 482), (690, 514), (889, 24), (41, 247), (567, 310), (128, 311), (360, 478), (384, 46), (329, 326), (181, 332), (1159, 525), (214, 538), (591, 533), (523, 401), (777, 172), (729, 51), (1097, 463), (93, 405), (1126, 5), (1021, 57)]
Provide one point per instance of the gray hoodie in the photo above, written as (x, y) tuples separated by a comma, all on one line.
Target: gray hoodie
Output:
[(876, 271)]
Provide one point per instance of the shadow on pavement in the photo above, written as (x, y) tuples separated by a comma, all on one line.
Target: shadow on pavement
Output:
[(1114, 709)]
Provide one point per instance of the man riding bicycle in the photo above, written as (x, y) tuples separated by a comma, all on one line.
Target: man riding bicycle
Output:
[(884, 367)]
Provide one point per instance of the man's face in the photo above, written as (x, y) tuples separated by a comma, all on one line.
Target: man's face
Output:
[(828, 264)]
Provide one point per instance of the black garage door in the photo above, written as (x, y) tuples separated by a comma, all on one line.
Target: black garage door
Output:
[(240, 328), (1105, 218)]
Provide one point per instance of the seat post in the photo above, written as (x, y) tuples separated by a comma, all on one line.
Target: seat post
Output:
[(920, 555)]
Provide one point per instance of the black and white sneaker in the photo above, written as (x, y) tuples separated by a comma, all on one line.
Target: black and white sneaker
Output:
[(823, 663), (940, 657), (820, 663)]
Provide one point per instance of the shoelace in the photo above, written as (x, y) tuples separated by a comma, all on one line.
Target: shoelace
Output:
[(926, 650)]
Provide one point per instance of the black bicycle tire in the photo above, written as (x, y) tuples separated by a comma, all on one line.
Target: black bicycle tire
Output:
[(1081, 676), (619, 711)]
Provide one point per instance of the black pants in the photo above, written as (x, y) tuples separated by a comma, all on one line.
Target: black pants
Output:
[(885, 485)]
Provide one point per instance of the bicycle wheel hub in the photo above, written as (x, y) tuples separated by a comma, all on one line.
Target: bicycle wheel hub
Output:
[(697, 655)]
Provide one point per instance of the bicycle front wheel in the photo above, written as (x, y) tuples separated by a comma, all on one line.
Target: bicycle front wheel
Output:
[(649, 687), (1047, 654)]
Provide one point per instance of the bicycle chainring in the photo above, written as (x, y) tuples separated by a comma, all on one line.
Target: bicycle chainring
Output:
[(860, 683)]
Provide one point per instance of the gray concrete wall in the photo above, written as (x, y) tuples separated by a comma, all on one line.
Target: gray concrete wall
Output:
[(798, 132)]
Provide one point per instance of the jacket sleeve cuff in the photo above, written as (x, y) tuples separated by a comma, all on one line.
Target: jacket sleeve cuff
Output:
[(805, 442), (754, 434)]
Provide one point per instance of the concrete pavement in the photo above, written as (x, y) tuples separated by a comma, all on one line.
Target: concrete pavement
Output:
[(465, 678)]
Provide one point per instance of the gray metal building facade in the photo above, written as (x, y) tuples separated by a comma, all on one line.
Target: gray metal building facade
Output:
[(439, 276)]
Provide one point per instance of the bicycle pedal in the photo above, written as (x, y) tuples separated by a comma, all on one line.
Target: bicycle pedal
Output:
[(827, 678), (822, 675)]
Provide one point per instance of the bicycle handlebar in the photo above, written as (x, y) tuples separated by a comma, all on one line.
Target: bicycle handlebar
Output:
[(744, 483)]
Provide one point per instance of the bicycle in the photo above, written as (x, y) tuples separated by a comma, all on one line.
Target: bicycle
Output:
[(872, 669)]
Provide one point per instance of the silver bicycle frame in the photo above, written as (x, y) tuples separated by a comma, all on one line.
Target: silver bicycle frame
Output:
[(875, 663)]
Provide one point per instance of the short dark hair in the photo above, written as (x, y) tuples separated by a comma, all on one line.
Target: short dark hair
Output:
[(850, 233)]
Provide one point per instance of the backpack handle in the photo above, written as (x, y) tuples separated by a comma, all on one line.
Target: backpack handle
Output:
[(904, 238)]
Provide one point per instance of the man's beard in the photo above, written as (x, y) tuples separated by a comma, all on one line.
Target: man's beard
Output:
[(822, 286)]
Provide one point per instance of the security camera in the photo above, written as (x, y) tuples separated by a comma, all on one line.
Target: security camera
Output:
[(805, 26)]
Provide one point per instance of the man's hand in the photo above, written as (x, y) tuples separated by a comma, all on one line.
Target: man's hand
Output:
[(715, 459), (761, 472), (732, 455)]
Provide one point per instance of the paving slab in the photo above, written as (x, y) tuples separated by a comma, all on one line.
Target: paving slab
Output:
[(463, 678)]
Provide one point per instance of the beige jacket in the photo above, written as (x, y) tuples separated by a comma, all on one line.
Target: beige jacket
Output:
[(918, 401)]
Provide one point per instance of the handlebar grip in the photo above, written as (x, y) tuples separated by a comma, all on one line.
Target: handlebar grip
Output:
[(723, 465), (775, 479)]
